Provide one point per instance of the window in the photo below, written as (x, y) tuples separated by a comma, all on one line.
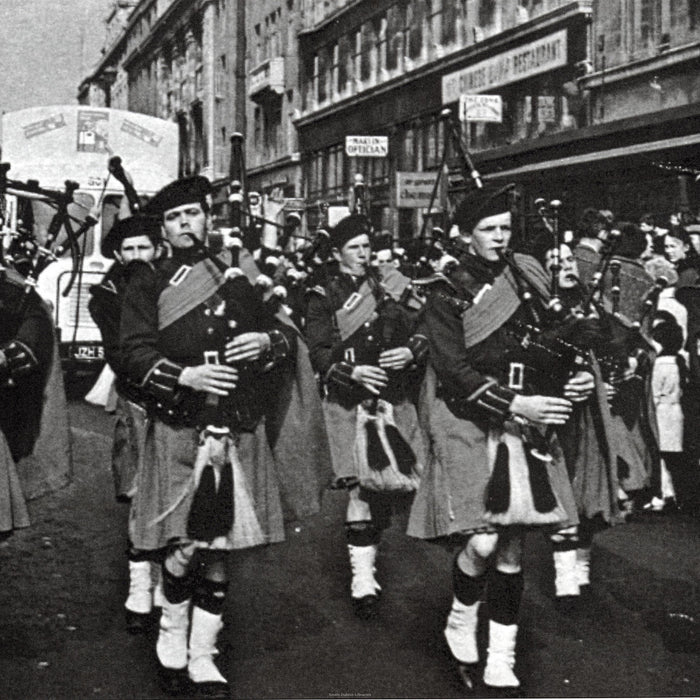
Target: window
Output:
[(408, 154), (258, 46), (257, 127), (201, 159), (394, 37), (323, 74), (415, 12), (344, 65), (649, 21), (335, 69), (368, 44)]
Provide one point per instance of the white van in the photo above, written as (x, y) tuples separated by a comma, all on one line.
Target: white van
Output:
[(72, 142)]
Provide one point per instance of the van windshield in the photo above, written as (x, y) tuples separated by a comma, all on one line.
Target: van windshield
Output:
[(35, 215)]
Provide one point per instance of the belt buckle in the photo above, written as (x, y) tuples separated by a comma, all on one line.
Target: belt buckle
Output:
[(516, 376), (211, 357)]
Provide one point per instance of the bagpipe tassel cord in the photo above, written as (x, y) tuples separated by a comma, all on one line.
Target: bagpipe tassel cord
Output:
[(224, 499), (201, 523), (211, 513), (377, 458), (542, 495), (498, 492), (404, 455)]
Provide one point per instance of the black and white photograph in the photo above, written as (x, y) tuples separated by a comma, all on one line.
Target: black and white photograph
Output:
[(349, 349)]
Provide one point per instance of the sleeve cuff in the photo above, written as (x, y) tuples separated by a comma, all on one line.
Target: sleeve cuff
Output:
[(418, 345), (496, 400), (279, 346), (341, 374), (161, 382), (20, 360)]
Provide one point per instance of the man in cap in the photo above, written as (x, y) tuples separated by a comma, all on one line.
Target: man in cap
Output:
[(477, 490), (131, 238), (362, 344), (210, 357)]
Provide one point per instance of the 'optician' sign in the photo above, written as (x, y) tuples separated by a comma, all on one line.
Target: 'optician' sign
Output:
[(367, 146)]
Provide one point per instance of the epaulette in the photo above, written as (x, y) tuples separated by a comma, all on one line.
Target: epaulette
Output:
[(318, 289)]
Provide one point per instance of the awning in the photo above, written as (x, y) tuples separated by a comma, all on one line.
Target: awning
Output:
[(600, 156)]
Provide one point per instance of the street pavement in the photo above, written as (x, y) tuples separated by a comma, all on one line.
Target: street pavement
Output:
[(290, 631)]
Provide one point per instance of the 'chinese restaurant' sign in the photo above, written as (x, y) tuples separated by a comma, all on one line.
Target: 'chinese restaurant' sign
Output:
[(543, 55)]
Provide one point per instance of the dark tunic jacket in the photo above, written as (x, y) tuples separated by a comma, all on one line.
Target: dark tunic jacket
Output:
[(477, 382), (334, 359), (154, 358), (105, 307), (26, 342)]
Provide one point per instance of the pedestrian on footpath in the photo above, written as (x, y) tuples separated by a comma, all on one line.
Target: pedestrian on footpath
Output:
[(491, 473), (218, 463), (131, 238)]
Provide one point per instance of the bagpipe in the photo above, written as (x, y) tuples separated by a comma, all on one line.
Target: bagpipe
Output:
[(29, 254)]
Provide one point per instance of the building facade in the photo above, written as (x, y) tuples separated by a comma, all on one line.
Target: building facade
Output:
[(274, 100), (591, 102), (598, 100), (176, 59)]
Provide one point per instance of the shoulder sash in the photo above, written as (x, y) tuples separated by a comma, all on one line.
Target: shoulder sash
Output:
[(196, 287), (495, 304), (352, 316)]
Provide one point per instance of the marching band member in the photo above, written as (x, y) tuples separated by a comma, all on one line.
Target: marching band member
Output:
[(485, 481), (205, 349), (35, 454), (131, 238), (585, 441), (362, 344)]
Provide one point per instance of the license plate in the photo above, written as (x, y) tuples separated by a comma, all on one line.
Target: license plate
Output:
[(88, 352)]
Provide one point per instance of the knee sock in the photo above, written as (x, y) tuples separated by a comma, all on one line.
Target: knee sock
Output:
[(211, 595), (503, 595), (362, 534), (467, 589), (176, 589)]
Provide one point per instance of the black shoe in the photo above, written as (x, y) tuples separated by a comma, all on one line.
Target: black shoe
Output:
[(210, 689), (137, 623), (366, 608), (469, 675), (491, 691), (174, 681)]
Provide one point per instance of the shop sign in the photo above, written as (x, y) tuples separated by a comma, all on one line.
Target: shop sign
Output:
[(481, 108), (546, 111), (537, 57), (367, 146), (414, 190)]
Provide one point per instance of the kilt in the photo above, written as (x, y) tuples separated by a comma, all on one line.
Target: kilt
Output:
[(129, 437), (165, 490), (451, 498), (341, 428), (13, 509)]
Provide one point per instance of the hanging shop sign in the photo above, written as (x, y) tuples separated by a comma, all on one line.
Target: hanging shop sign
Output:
[(537, 57), (367, 146), (414, 190), (481, 108)]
